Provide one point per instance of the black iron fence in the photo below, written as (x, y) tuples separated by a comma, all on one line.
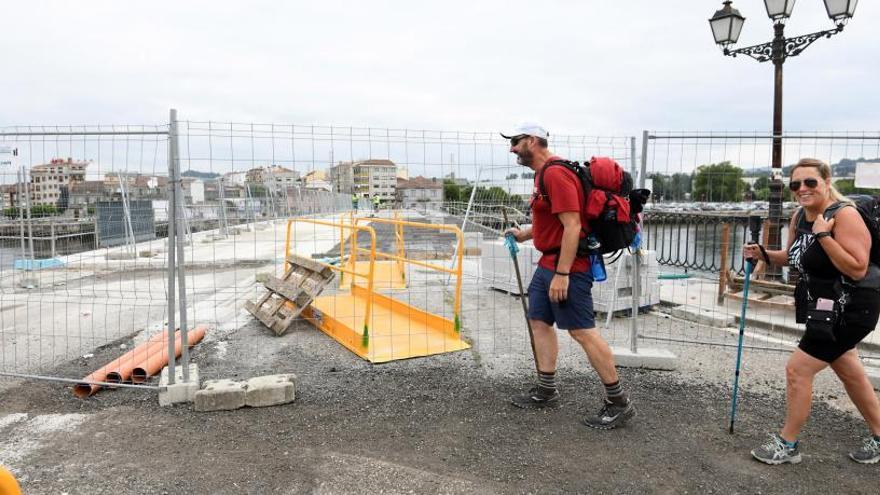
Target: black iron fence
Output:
[(696, 240)]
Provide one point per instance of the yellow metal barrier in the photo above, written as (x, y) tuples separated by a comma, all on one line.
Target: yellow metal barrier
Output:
[(387, 274), (457, 270), (369, 275), (372, 325)]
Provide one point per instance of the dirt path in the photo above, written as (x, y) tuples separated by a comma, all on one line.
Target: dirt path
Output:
[(433, 425)]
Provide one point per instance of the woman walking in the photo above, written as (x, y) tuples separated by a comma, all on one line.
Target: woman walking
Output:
[(837, 296)]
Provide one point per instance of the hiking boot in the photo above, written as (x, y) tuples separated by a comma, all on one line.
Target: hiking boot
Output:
[(611, 415), (869, 453), (536, 398), (777, 452)]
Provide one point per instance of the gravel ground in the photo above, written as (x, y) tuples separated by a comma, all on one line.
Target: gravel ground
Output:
[(433, 425), (440, 424)]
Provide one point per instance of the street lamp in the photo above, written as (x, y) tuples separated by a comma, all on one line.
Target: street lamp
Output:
[(726, 25)]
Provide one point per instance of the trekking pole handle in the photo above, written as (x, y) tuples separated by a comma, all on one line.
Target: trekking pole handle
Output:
[(752, 261)]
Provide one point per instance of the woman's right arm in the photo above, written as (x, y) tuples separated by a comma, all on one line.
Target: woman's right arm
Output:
[(778, 257)]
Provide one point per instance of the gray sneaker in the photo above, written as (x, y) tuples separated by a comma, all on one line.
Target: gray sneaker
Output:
[(777, 452), (611, 415), (536, 398), (869, 453)]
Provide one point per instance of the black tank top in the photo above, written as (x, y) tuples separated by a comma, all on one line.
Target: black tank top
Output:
[(806, 254)]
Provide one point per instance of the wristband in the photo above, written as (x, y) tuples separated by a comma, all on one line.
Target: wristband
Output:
[(561, 273), (820, 235)]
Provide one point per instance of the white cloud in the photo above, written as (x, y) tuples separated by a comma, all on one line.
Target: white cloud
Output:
[(580, 67)]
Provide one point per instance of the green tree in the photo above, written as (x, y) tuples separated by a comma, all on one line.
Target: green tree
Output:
[(673, 187), (451, 191), (661, 185), (847, 186), (761, 187), (718, 182)]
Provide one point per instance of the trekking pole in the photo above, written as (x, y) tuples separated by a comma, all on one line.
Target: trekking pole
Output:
[(754, 225), (510, 242)]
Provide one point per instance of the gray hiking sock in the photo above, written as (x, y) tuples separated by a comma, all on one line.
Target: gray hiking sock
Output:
[(547, 382), (615, 392)]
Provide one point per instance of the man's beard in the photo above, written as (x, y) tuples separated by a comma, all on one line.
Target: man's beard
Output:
[(525, 158)]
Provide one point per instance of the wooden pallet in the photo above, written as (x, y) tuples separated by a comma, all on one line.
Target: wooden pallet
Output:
[(303, 281)]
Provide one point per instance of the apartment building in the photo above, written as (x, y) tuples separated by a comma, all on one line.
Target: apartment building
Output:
[(420, 192), (366, 178), (51, 182)]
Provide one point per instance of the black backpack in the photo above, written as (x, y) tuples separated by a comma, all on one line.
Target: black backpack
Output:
[(611, 205), (869, 209)]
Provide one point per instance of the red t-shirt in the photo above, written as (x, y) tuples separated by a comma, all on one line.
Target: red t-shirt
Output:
[(565, 193)]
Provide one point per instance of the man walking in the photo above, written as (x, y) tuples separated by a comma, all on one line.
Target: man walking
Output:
[(560, 292)]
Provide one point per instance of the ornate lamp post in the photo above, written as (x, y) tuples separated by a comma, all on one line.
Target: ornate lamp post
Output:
[(726, 26)]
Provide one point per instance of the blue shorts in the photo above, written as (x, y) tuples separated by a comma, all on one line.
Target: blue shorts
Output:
[(575, 313)]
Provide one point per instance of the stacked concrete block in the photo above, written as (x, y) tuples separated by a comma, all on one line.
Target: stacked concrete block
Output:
[(221, 395), (261, 391), (270, 390)]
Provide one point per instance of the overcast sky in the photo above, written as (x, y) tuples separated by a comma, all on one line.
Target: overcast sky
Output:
[(580, 67)]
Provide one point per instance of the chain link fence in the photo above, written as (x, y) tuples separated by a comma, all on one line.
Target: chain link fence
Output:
[(706, 186), (84, 262)]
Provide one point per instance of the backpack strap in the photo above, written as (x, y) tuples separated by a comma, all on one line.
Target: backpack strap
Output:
[(571, 166), (834, 208)]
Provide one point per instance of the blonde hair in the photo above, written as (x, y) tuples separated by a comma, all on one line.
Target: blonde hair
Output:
[(825, 172)]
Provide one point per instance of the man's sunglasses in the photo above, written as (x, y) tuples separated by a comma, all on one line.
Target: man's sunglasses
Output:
[(810, 183), (516, 139)]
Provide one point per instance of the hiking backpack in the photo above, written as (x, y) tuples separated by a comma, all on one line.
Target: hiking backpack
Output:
[(611, 205), (869, 209)]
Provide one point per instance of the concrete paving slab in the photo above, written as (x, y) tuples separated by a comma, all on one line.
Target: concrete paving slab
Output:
[(270, 390), (645, 358), (221, 395), (703, 315)]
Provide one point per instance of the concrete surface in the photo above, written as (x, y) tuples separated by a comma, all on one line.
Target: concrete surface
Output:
[(645, 358)]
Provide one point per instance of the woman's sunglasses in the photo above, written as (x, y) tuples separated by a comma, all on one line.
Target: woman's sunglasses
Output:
[(810, 183)]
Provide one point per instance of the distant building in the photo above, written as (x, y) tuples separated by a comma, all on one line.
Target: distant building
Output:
[(366, 178), (318, 184), (9, 195), (87, 194), (420, 192), (236, 178), (137, 185), (314, 175), (51, 182), (282, 177), (193, 190)]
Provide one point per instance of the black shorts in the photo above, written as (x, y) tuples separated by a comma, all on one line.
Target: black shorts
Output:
[(854, 324)]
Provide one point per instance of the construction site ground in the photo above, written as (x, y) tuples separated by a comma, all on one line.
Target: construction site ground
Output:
[(440, 424)]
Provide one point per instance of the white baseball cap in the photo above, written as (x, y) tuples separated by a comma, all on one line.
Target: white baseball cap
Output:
[(526, 129)]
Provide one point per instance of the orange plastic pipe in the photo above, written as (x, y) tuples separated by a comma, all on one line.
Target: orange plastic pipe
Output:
[(83, 390), (155, 362), (122, 371)]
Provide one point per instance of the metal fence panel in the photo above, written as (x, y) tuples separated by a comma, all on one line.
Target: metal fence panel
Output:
[(699, 181)]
